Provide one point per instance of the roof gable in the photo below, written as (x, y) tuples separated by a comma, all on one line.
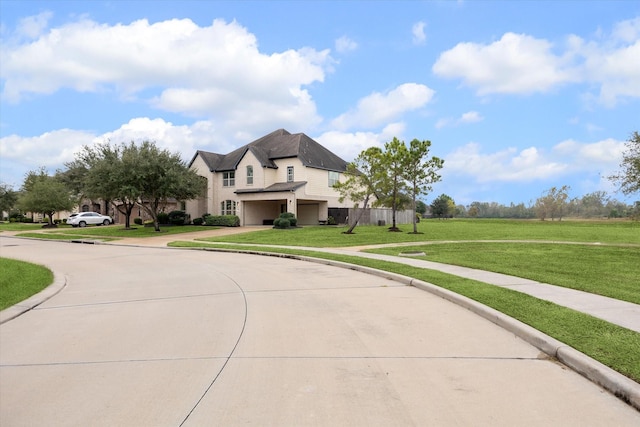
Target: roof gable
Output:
[(279, 144)]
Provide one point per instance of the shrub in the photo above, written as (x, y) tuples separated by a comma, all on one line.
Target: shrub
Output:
[(163, 218), (198, 221), (137, 221), (285, 220), (331, 221), (148, 223), (178, 218), (222, 220)]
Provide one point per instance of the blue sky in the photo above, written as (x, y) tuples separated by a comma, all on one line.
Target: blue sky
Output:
[(516, 96)]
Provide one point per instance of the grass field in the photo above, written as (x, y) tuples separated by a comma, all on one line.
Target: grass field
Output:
[(19, 280), (612, 271), (457, 229)]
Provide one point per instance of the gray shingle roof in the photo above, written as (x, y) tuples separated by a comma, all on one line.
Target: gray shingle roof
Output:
[(275, 188), (279, 144)]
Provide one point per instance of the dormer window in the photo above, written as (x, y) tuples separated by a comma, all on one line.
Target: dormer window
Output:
[(289, 173)]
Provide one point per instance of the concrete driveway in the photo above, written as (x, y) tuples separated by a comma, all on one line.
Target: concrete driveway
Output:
[(168, 337)]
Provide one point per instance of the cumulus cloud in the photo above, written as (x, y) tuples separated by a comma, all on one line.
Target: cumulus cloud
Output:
[(517, 63), (523, 64), (465, 118), (345, 44), (381, 108), (533, 164), (419, 36), (53, 149), (175, 65), (348, 145)]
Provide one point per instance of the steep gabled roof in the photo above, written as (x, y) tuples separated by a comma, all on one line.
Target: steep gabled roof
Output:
[(279, 144)]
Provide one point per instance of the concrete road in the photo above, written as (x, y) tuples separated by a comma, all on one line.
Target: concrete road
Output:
[(168, 337)]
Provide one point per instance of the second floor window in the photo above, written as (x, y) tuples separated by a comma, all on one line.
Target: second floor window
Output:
[(334, 177), (228, 179), (249, 175), (289, 173)]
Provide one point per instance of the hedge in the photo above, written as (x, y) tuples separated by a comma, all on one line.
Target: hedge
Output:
[(222, 220)]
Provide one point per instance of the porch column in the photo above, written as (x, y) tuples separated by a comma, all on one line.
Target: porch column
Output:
[(292, 203)]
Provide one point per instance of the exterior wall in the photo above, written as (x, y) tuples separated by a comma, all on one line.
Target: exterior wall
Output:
[(256, 212), (299, 171), (197, 208), (308, 214)]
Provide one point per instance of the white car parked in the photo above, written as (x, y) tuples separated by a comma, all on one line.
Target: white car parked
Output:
[(83, 219)]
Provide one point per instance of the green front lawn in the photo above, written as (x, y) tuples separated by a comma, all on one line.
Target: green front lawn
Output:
[(20, 280)]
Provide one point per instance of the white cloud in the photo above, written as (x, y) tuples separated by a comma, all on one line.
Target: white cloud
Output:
[(32, 26), (523, 64), (509, 165), (345, 44), (53, 149), (419, 36), (465, 118), (348, 145), (380, 108), (516, 63), (532, 164), (213, 71)]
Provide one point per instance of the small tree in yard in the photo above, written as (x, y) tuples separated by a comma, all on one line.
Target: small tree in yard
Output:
[(393, 187), (420, 172), (44, 194), (363, 177)]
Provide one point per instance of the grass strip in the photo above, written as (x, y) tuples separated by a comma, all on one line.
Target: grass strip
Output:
[(439, 230), (20, 280), (612, 345), (611, 271)]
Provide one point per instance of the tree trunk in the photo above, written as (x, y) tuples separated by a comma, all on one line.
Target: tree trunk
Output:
[(360, 213)]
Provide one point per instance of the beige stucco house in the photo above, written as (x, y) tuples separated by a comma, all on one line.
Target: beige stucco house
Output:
[(280, 172)]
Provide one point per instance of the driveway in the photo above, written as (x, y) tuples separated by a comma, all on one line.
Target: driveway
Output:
[(144, 336)]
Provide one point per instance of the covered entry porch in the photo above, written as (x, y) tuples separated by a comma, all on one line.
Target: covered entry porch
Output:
[(261, 207)]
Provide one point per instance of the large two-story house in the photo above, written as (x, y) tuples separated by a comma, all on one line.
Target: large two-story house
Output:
[(280, 172)]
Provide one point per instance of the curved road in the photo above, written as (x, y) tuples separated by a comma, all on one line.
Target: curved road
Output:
[(169, 337)]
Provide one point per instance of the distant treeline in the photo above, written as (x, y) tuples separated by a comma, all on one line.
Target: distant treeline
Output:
[(593, 205)]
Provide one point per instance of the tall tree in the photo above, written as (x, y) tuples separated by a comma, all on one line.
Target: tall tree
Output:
[(628, 179), (394, 186), (420, 171), (45, 194), (159, 175), (363, 177), (110, 176), (8, 198)]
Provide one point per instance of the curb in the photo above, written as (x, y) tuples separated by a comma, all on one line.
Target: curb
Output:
[(614, 382), (9, 313)]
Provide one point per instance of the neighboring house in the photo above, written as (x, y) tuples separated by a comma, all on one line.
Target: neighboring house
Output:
[(280, 172)]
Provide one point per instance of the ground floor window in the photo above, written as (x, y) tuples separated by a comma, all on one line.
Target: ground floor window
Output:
[(228, 207)]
